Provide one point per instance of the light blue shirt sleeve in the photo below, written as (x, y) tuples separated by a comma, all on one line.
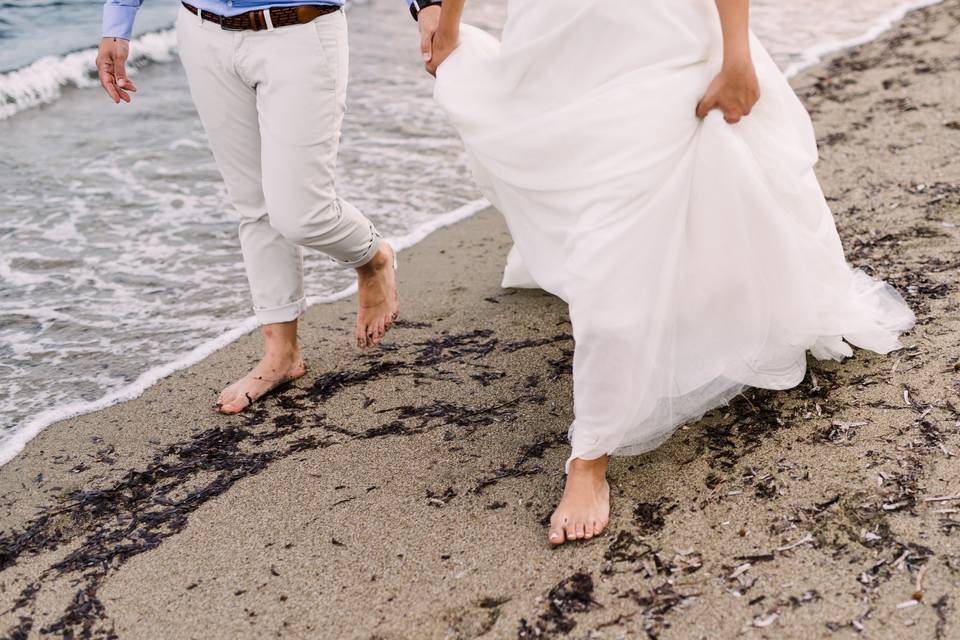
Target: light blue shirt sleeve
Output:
[(118, 16)]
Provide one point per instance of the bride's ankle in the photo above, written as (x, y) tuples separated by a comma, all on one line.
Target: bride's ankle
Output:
[(595, 467)]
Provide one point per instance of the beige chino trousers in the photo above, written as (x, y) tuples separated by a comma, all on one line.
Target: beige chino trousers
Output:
[(272, 104)]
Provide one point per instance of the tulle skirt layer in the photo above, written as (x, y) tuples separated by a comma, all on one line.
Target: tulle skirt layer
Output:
[(697, 257)]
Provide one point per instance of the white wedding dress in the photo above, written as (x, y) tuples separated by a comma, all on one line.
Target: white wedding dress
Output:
[(697, 257)]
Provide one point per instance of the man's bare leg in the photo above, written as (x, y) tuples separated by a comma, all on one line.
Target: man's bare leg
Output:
[(281, 363), (379, 303), (584, 510)]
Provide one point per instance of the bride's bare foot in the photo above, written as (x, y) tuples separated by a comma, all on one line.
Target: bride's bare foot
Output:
[(584, 510), (282, 363), (379, 303)]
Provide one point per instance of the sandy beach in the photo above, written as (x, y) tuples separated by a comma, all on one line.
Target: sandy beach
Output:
[(403, 493)]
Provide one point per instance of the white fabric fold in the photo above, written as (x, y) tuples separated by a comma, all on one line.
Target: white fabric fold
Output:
[(697, 257)]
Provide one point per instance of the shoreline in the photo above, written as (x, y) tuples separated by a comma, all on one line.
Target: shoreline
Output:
[(815, 54), (13, 444), (156, 47), (406, 488)]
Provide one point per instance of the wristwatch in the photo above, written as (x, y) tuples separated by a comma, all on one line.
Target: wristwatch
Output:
[(419, 5)]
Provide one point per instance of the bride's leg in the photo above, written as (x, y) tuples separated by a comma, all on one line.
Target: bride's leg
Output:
[(584, 510)]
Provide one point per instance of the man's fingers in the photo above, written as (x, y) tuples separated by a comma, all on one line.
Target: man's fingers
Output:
[(732, 117), (120, 74), (108, 83), (119, 63)]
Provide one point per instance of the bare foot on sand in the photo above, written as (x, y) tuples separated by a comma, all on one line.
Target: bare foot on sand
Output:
[(584, 510), (379, 303), (282, 363)]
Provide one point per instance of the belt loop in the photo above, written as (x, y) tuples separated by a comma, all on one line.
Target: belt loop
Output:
[(200, 16), (268, 19)]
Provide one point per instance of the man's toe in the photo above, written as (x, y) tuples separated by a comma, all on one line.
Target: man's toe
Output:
[(230, 408), (226, 395), (361, 335), (235, 403)]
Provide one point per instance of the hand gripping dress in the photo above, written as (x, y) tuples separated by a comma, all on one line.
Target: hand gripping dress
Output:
[(697, 257)]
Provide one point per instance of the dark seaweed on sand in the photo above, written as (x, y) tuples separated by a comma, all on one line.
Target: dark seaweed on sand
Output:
[(135, 514), (571, 596)]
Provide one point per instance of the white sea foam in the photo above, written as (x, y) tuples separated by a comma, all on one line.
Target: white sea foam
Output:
[(43, 81), (17, 278), (813, 55), (13, 442)]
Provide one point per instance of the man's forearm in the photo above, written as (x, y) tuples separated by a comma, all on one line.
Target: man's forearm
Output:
[(118, 17), (735, 21)]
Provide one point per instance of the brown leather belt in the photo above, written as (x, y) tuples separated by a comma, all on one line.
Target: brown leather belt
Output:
[(256, 21)]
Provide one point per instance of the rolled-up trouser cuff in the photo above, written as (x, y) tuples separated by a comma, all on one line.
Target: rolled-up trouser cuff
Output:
[(372, 247), (285, 313)]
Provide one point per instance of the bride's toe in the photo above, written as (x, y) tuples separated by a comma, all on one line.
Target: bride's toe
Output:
[(556, 535), (578, 530)]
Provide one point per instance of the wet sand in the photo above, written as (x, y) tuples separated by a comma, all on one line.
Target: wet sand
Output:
[(403, 493)]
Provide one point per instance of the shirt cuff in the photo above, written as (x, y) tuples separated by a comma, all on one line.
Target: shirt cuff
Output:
[(118, 21)]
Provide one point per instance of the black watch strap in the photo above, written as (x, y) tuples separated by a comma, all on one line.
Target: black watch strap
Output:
[(419, 5)]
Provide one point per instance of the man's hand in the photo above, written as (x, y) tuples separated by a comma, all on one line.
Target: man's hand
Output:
[(734, 92), (112, 68)]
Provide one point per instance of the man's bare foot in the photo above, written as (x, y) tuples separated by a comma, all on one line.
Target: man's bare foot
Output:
[(584, 510), (281, 364), (379, 302)]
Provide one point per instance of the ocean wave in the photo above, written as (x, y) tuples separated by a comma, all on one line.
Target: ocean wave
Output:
[(813, 55), (13, 442), (43, 81)]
